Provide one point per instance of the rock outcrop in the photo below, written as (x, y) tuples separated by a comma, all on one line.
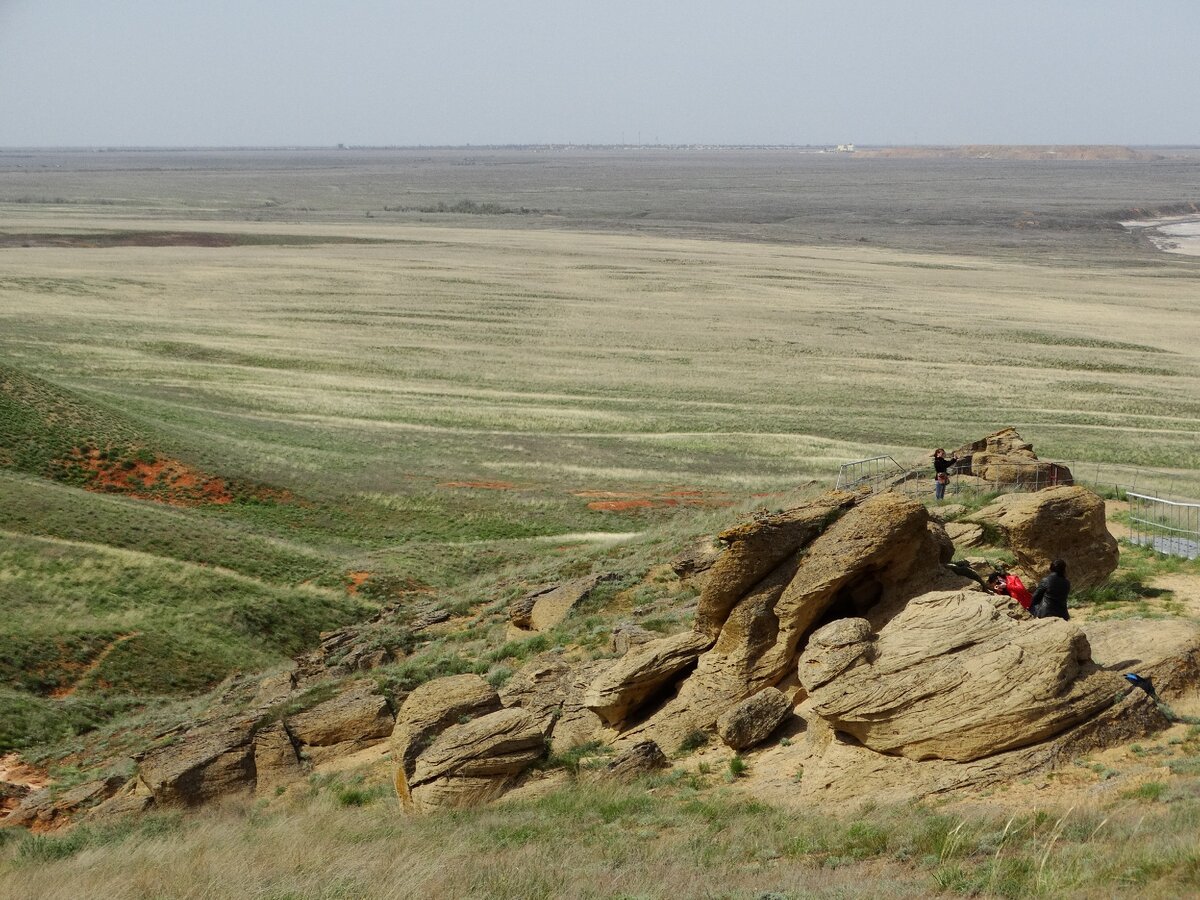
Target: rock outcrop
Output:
[(542, 609), (1063, 522), (780, 576), (640, 759), (953, 678), (754, 719), (624, 687), (1008, 459), (475, 761), (429, 710)]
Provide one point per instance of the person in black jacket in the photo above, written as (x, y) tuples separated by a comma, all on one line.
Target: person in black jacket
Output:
[(1050, 596), (941, 472)]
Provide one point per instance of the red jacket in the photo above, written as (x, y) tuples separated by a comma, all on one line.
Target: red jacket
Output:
[(1018, 591)]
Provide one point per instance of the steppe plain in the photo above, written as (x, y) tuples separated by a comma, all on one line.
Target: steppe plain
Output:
[(455, 373)]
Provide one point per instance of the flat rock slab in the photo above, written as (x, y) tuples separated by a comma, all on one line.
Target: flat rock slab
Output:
[(551, 607), (1167, 651)]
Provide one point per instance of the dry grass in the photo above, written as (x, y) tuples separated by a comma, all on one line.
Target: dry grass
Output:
[(684, 839)]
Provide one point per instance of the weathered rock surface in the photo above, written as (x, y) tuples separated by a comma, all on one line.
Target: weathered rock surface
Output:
[(754, 719), (858, 552), (475, 761), (552, 606), (622, 688), (946, 512), (696, 560), (965, 535), (552, 690), (953, 678), (841, 770), (47, 809), (520, 610), (205, 763), (276, 762), (628, 635), (754, 549), (1167, 651), (1006, 458), (1062, 522), (834, 649), (359, 714), (430, 709), (640, 759)]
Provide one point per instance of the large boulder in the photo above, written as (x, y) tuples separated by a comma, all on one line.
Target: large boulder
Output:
[(754, 719), (756, 548), (1008, 459), (207, 762), (552, 690), (429, 710), (356, 718), (951, 677), (1063, 522), (542, 609), (624, 687), (640, 759), (476, 761)]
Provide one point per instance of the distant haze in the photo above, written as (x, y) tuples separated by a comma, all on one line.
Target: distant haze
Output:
[(408, 72)]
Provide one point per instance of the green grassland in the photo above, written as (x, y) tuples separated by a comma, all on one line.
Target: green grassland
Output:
[(459, 406)]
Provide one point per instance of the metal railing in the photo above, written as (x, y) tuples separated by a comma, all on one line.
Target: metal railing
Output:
[(1168, 526), (873, 470)]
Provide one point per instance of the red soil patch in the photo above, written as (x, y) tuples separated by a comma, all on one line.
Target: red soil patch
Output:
[(355, 580), (61, 693), (480, 485), (622, 501), (622, 505), (148, 476), (15, 771)]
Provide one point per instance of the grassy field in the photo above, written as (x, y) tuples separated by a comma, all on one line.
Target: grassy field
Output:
[(232, 417), (676, 836)]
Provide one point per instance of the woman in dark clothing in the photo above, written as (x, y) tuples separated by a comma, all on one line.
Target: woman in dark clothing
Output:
[(1050, 596), (941, 472)]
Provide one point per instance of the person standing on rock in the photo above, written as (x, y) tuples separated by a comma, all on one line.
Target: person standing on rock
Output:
[(1050, 596), (941, 473)]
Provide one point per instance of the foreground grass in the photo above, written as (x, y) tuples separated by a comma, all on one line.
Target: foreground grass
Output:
[(677, 839)]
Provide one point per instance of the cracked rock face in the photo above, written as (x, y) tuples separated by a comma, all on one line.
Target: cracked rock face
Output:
[(476, 761), (951, 677)]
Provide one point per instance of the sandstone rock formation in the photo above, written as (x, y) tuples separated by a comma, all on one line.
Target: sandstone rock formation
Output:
[(1063, 522), (356, 718), (1006, 458), (640, 759), (965, 535), (754, 719), (475, 761), (430, 709), (544, 608), (951, 677), (626, 685), (776, 581)]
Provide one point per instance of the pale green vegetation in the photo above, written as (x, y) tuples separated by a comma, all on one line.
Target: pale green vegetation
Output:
[(403, 410), (691, 837)]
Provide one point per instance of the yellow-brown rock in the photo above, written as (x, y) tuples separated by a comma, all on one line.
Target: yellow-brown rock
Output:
[(953, 678)]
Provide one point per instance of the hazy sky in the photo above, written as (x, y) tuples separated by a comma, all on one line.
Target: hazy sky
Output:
[(319, 72)]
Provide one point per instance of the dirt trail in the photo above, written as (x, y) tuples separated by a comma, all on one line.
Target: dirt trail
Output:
[(64, 692)]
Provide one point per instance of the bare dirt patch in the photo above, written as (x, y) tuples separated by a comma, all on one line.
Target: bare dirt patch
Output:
[(622, 501), (481, 485), (140, 473)]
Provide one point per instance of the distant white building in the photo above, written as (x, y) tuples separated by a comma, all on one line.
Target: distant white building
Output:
[(845, 148)]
